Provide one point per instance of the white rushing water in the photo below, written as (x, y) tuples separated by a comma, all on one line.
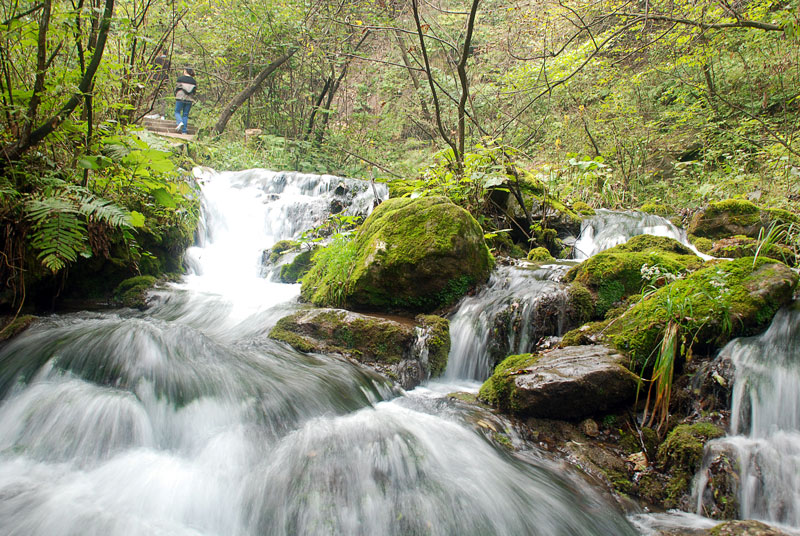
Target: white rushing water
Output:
[(519, 306), (765, 423), (609, 228), (187, 420)]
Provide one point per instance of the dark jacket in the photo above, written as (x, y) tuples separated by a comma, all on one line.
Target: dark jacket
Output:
[(185, 89)]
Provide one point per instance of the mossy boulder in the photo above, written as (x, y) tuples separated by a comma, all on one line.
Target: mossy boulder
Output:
[(725, 300), (657, 209), (387, 345), (132, 292), (720, 496), (540, 254), (747, 527), (736, 217), (297, 268), (583, 209), (616, 273), (743, 246), (567, 383), (680, 455), (410, 254)]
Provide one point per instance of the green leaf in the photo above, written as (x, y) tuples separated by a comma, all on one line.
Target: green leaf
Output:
[(137, 219), (163, 198)]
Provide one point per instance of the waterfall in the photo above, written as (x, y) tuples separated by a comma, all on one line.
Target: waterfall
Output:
[(508, 316), (609, 228), (765, 423), (187, 420)]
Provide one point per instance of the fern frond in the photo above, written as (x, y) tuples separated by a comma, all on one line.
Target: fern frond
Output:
[(59, 238), (102, 210)]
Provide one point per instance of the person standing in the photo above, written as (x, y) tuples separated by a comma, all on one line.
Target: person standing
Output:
[(184, 97)]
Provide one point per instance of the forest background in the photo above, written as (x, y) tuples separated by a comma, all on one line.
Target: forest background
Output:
[(610, 103)]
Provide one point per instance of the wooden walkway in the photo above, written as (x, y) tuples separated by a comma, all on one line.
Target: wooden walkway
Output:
[(166, 127)]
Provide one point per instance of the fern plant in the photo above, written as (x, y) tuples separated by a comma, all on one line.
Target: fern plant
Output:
[(59, 216)]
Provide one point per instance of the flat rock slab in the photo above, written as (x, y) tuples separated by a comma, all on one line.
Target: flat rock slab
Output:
[(574, 382)]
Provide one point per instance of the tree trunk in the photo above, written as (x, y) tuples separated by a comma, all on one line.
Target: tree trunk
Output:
[(13, 151), (249, 91), (426, 114)]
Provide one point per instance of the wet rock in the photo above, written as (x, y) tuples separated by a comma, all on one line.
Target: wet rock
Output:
[(408, 352), (567, 383), (719, 482), (736, 217), (132, 292), (680, 455), (410, 254), (744, 528), (744, 246)]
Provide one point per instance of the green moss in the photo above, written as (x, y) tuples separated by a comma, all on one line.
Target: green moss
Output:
[(655, 208), (616, 273), (582, 208), (683, 448), (10, 327), (744, 246), (651, 488), (681, 454), (469, 398), (780, 216), (280, 248), (300, 265), (725, 300), (411, 254), (540, 254), (702, 243), (438, 342), (280, 333), (739, 207), (581, 303), (620, 480), (498, 389), (503, 439), (132, 292)]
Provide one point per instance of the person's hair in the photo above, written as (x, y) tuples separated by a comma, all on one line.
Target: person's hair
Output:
[(189, 71)]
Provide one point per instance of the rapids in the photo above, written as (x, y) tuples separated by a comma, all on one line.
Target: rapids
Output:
[(188, 420)]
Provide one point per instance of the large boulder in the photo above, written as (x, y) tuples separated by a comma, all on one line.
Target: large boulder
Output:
[(715, 304), (408, 352), (621, 271), (736, 217), (410, 254), (567, 383)]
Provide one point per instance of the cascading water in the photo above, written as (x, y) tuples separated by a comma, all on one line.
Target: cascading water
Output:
[(508, 316), (188, 420), (765, 423), (609, 228)]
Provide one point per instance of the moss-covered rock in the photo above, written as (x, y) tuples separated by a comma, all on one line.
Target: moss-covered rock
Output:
[(616, 273), (297, 268), (744, 528), (743, 246), (132, 292), (540, 254), (657, 209), (387, 345), (736, 217), (728, 299), (568, 383), (583, 209), (410, 254), (680, 454), (14, 325), (720, 495)]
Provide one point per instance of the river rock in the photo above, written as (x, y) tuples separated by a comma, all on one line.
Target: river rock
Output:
[(623, 270), (408, 352), (566, 383), (725, 300), (736, 217), (410, 254)]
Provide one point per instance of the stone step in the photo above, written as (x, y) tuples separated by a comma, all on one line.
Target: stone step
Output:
[(164, 125)]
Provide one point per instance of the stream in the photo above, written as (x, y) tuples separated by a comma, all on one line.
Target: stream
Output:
[(187, 420)]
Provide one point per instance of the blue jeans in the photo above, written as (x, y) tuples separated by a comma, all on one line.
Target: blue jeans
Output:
[(182, 108)]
